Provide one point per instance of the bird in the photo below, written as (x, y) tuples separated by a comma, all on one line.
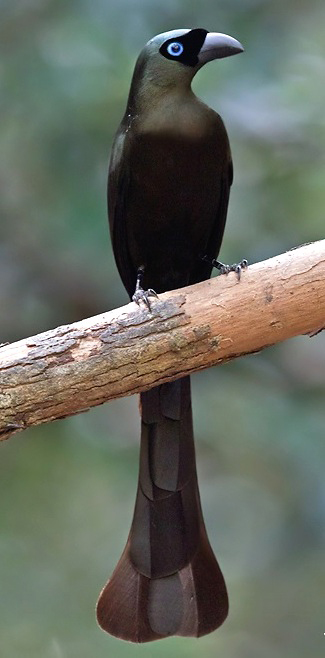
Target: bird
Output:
[(168, 189)]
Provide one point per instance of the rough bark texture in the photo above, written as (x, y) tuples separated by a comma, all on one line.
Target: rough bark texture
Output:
[(127, 350)]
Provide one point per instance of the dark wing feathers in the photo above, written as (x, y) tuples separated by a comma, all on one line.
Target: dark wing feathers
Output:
[(119, 180), (202, 270)]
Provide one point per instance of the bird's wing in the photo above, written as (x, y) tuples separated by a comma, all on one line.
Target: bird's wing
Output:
[(119, 180), (202, 270), (216, 236)]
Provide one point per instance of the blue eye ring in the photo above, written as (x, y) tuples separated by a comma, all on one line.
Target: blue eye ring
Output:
[(175, 48)]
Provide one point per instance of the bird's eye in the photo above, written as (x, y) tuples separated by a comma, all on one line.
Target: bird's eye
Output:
[(175, 48)]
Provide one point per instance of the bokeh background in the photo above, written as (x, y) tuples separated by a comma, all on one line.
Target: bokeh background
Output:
[(67, 489)]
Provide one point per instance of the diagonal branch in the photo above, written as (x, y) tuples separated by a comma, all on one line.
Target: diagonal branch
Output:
[(127, 350)]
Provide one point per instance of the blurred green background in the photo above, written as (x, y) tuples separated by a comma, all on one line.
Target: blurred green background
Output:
[(67, 489)]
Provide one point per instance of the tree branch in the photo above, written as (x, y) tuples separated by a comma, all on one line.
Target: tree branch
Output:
[(127, 350)]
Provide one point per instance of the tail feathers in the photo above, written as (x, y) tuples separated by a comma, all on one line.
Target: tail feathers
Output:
[(122, 604), (168, 581), (191, 602), (203, 584), (165, 532)]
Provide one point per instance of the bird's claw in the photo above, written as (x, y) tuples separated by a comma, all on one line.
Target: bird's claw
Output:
[(141, 295), (225, 269), (236, 267)]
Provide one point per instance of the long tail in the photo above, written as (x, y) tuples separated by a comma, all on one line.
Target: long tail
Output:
[(168, 581)]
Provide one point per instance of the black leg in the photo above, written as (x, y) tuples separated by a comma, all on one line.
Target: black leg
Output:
[(140, 294), (225, 269)]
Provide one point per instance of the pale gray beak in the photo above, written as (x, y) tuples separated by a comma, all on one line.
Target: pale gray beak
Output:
[(218, 45)]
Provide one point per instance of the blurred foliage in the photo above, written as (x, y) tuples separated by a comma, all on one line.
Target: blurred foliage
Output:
[(67, 490)]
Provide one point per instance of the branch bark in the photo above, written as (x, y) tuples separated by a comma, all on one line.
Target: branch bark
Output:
[(127, 350)]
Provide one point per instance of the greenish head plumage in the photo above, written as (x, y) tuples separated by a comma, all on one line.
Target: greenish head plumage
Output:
[(172, 58)]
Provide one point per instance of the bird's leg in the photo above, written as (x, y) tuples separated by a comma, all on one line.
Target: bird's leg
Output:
[(225, 269), (140, 294)]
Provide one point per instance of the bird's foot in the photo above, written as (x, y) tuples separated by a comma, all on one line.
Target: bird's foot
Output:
[(141, 295), (236, 267)]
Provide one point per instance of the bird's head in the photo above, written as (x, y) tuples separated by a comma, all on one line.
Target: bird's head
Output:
[(192, 48), (172, 58)]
